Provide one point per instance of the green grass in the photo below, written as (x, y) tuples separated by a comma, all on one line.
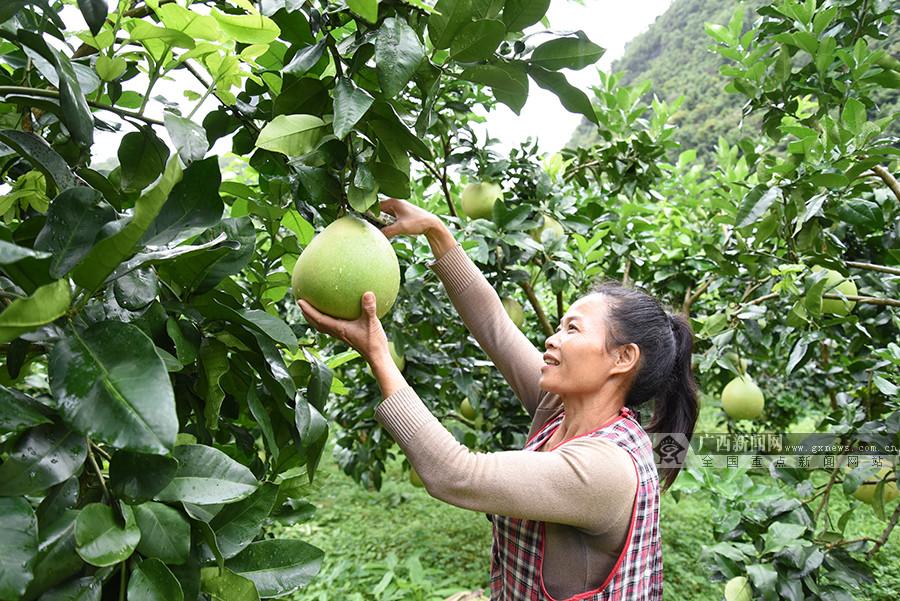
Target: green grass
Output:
[(402, 544)]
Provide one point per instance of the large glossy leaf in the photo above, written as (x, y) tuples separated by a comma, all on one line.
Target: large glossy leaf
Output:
[(18, 547), (239, 523), (193, 205), (107, 254), (18, 411), (109, 383), (367, 9), (350, 104), (213, 365), (477, 40), (291, 135), (41, 156), (566, 53), (137, 477), (188, 137), (306, 58), (165, 533), (573, 99), (508, 82), (220, 242), (206, 475), (136, 289), (755, 204), (94, 13), (443, 25), (44, 456), (80, 589), (225, 585), (203, 270), (57, 559), (277, 567), (142, 158), (248, 29), (398, 52), (59, 499), (48, 303), (519, 14), (76, 112), (100, 536), (151, 580), (11, 253), (74, 219)]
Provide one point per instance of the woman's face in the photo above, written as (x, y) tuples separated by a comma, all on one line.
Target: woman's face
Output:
[(576, 361)]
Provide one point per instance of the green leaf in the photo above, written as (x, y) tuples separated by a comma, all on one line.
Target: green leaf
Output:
[(57, 559), (367, 9), (277, 567), (362, 192), (107, 254), (165, 533), (109, 383), (391, 181), (206, 475), (81, 589), (225, 585), (566, 53), (398, 52), (100, 538), (142, 157), (151, 580), (74, 219), (110, 69), (238, 524), (573, 99), (813, 208), (144, 31), (44, 456), (136, 289), (780, 535), (75, 110), (444, 24), (48, 303), (94, 13), (350, 104), (18, 546), (519, 14), (188, 137), (854, 115), (263, 421), (306, 58), (291, 135), (138, 477), (10, 253), (213, 365), (248, 29), (508, 82), (41, 156), (477, 40), (193, 205), (18, 411), (755, 204)]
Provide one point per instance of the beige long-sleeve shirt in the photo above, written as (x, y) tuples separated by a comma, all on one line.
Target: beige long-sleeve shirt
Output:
[(583, 489)]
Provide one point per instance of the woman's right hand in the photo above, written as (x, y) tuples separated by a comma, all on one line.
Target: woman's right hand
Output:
[(410, 219)]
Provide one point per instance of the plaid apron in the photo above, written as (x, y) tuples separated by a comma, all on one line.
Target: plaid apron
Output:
[(518, 545)]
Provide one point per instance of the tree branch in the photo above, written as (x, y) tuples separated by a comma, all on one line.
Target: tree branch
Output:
[(884, 535), (872, 267), (44, 93), (691, 298), (888, 179), (538, 309), (866, 300)]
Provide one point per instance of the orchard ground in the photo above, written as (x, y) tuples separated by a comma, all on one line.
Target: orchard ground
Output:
[(402, 544)]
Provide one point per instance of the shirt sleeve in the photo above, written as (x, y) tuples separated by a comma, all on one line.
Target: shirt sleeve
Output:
[(480, 308), (588, 483)]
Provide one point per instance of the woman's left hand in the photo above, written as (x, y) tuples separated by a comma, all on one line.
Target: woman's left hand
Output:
[(365, 334)]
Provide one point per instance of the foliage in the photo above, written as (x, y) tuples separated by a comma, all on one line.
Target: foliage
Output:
[(152, 392)]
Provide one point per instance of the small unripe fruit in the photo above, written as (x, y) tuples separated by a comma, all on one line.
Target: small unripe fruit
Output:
[(414, 479), (478, 199), (835, 283), (467, 410), (514, 310), (738, 589), (742, 398), (553, 228)]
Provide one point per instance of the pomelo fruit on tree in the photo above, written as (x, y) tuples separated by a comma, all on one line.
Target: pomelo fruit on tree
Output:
[(553, 228), (742, 398), (514, 310), (467, 410), (414, 479), (738, 589), (835, 283), (348, 258), (478, 199), (866, 491)]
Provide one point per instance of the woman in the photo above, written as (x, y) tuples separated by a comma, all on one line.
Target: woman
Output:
[(576, 512)]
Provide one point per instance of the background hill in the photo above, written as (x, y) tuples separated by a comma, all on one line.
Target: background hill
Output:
[(673, 54)]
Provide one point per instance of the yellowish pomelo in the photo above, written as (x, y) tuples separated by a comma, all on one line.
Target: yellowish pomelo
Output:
[(742, 398), (478, 199)]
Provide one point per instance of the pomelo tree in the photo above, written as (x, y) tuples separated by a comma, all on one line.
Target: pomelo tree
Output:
[(160, 400)]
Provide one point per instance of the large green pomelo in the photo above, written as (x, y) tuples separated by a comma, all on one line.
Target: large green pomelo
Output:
[(348, 258), (550, 225), (738, 589), (742, 398), (478, 199), (835, 283), (866, 491)]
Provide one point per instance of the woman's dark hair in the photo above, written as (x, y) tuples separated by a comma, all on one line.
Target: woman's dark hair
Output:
[(664, 372)]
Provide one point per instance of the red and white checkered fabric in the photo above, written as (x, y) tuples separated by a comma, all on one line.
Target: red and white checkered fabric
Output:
[(518, 545)]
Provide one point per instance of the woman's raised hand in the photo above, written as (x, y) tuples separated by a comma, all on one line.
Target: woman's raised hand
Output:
[(410, 219)]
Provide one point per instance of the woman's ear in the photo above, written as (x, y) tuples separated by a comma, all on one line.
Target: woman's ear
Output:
[(627, 357)]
